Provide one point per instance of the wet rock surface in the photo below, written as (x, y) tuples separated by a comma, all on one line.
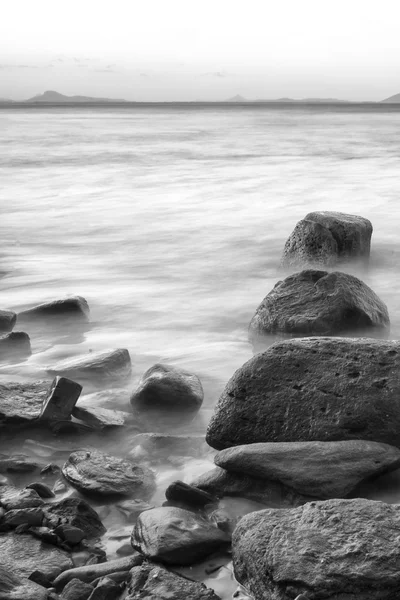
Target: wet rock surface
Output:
[(333, 549), (75, 308), (312, 389), (326, 238), (93, 472), (7, 320), (150, 581), (95, 366), (13, 587), (320, 303), (176, 536), (61, 399), (22, 402), (318, 469), (76, 513)]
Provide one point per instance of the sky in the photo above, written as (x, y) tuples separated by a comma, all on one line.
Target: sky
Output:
[(188, 50)]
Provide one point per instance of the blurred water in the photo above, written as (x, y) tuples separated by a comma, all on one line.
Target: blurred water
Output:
[(171, 221)]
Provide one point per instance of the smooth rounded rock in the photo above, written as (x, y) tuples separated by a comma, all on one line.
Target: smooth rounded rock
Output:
[(15, 346), (93, 472), (320, 303), (95, 366), (7, 320), (312, 389), (75, 308)]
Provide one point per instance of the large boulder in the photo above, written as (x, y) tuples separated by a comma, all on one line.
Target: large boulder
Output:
[(334, 549), (95, 473), (320, 303), (150, 581), (327, 238), (307, 389), (95, 366), (319, 469), (74, 308), (176, 536), (7, 320)]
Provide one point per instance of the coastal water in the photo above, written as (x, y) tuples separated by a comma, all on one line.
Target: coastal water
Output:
[(171, 220)]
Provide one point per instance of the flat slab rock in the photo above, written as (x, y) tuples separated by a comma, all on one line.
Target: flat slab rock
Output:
[(150, 581), (23, 554), (75, 308), (22, 402), (320, 303), (113, 364), (319, 469), (100, 418), (176, 536), (347, 549), (94, 472), (312, 389)]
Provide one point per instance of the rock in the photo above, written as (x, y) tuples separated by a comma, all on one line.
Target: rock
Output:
[(14, 498), (95, 366), (18, 463), (181, 492), (100, 418), (22, 554), (150, 581), (15, 345), (61, 399), (76, 590), (320, 303), (89, 573), (38, 577), (106, 589), (45, 534), (319, 469), (219, 482), (176, 536), (76, 513), (332, 549), (74, 308), (327, 238), (29, 516), (70, 534), (12, 587), (21, 403), (93, 472), (321, 389), (132, 508), (7, 320), (165, 389), (158, 445), (42, 489)]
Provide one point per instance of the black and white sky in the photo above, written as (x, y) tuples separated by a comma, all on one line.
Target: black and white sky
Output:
[(170, 50)]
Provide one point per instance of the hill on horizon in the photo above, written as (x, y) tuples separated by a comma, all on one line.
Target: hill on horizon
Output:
[(52, 96), (393, 99)]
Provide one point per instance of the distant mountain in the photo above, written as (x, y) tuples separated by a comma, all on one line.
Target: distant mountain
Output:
[(294, 100), (237, 99), (55, 97), (393, 99)]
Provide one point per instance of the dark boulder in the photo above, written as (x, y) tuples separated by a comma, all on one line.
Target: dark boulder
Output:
[(76, 590), (93, 472), (15, 345), (319, 469), (328, 238), (75, 512), (334, 549), (181, 493), (320, 303), (106, 589), (62, 397), (167, 391), (312, 389), (96, 367), (176, 536), (150, 581), (7, 320), (74, 308)]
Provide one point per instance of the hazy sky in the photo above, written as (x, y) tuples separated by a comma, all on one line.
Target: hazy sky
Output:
[(200, 49)]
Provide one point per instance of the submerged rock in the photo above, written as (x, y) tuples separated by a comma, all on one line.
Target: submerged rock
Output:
[(75, 308), (332, 549), (13, 587), (75, 512), (167, 393), (95, 366), (21, 402), (158, 445), (327, 238), (7, 320), (321, 389), (150, 581), (62, 397), (15, 345), (176, 536), (100, 418), (320, 303), (93, 472), (318, 469)]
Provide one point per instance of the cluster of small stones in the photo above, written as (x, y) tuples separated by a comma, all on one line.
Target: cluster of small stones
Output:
[(300, 427)]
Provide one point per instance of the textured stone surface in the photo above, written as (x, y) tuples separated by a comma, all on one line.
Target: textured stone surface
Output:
[(319, 469), (76, 513), (94, 472), (13, 587), (89, 573), (151, 582), (15, 345), (22, 402), (61, 399), (327, 238), (320, 303), (176, 536), (106, 589), (75, 308), (14, 498), (312, 389), (337, 549), (95, 366), (30, 516), (23, 554), (76, 590), (100, 418), (7, 320)]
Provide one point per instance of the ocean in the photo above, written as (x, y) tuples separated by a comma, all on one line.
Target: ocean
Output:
[(171, 220)]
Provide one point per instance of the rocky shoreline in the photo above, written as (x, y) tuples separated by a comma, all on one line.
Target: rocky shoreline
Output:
[(298, 430)]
